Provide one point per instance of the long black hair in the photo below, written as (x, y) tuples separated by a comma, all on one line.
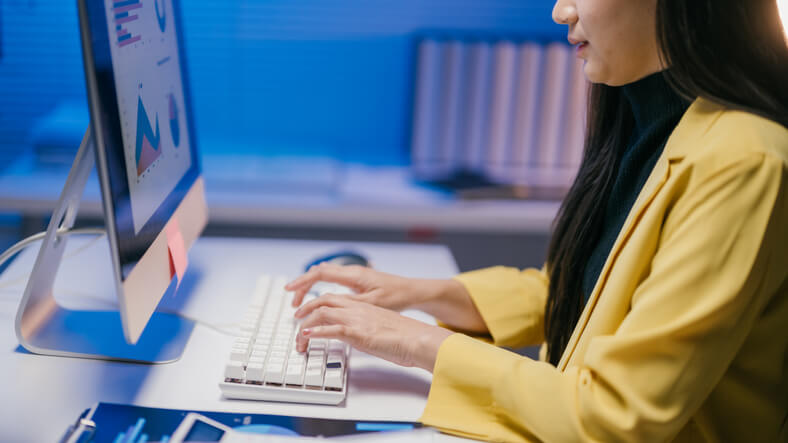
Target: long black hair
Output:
[(732, 52)]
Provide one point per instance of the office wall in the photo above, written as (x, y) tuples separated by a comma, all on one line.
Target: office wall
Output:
[(269, 76)]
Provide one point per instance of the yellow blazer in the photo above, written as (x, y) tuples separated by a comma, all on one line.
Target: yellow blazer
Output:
[(685, 335)]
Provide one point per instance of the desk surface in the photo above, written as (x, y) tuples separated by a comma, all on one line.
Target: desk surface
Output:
[(41, 395)]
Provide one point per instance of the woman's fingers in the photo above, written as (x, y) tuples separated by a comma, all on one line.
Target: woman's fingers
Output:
[(372, 329), (338, 332), (330, 300), (343, 275), (325, 315)]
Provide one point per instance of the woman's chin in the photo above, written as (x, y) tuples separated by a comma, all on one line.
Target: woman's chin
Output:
[(592, 73)]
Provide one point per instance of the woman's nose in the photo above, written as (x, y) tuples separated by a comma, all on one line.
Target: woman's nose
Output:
[(565, 12)]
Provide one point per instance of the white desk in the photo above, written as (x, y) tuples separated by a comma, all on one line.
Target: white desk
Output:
[(42, 395)]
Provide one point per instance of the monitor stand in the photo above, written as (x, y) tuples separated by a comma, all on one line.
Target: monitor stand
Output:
[(44, 327)]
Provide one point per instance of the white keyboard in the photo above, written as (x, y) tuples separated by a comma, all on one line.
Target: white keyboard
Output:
[(264, 364)]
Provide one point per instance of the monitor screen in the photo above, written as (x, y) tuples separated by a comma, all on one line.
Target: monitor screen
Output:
[(146, 129), (149, 91)]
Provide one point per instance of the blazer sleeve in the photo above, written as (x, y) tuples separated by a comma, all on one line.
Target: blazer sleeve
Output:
[(721, 256), (511, 303)]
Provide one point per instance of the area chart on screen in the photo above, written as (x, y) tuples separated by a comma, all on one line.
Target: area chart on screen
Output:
[(148, 144), (161, 16), (174, 128)]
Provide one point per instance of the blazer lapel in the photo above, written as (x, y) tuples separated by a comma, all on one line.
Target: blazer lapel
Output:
[(695, 122)]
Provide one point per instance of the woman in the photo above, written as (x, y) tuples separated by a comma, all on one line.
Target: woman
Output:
[(664, 300)]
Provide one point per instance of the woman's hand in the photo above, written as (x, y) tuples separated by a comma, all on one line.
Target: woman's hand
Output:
[(371, 329), (371, 286), (446, 300)]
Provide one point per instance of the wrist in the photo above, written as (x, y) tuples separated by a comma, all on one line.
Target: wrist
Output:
[(433, 293), (427, 346)]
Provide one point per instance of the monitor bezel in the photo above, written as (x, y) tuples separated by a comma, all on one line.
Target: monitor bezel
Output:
[(128, 247)]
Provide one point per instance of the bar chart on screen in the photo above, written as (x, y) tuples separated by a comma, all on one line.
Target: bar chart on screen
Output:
[(126, 12)]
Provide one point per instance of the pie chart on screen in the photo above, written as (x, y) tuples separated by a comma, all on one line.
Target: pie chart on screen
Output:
[(175, 128)]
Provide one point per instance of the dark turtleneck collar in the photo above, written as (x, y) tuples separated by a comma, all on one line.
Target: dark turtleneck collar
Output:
[(652, 100), (657, 110)]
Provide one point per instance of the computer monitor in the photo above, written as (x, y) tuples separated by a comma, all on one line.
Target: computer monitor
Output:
[(143, 135)]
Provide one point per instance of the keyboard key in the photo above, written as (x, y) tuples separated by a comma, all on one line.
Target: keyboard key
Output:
[(334, 365), (239, 353), (317, 355), (261, 290), (278, 355), (254, 372), (314, 365), (297, 359), (234, 370), (274, 372), (334, 378), (335, 357), (295, 374), (314, 377), (317, 343)]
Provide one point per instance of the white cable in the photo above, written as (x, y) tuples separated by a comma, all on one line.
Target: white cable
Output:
[(22, 244)]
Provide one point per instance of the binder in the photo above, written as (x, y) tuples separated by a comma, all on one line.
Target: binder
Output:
[(477, 111), (526, 115), (553, 105), (501, 110), (452, 102), (426, 108)]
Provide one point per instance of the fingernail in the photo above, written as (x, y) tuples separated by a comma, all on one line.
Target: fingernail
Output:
[(306, 331), (297, 313)]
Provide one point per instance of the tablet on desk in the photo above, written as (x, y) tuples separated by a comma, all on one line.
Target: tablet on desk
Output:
[(198, 428), (138, 424)]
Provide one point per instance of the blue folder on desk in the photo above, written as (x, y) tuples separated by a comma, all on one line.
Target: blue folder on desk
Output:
[(117, 423)]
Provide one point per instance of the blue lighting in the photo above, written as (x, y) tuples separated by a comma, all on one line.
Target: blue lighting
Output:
[(378, 427), (271, 77)]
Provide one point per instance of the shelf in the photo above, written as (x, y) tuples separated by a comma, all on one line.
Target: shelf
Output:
[(324, 195)]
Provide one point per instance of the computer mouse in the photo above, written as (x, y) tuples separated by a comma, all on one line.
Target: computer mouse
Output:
[(342, 258)]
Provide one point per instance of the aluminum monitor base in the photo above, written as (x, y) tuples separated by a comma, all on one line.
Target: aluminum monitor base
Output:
[(44, 327)]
